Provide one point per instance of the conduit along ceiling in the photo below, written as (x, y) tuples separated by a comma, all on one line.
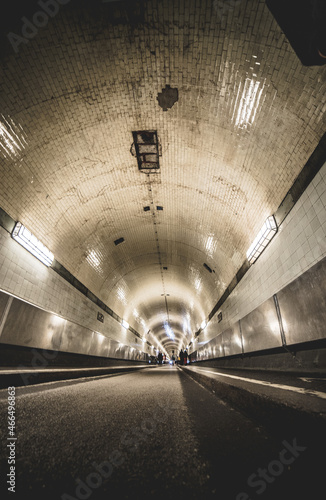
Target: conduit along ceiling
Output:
[(146, 142)]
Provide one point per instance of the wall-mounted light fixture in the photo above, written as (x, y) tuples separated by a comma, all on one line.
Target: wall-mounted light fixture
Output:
[(262, 239), (125, 324), (203, 324), (25, 238)]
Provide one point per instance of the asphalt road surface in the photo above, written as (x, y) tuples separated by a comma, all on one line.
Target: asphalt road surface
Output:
[(154, 433)]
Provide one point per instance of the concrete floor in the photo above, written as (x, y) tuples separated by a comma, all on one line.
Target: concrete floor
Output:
[(155, 433)]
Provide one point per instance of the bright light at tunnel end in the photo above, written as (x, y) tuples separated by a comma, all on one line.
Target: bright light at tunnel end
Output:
[(168, 330), (25, 238), (262, 239)]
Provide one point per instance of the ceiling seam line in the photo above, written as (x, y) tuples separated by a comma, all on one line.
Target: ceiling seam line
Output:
[(150, 191)]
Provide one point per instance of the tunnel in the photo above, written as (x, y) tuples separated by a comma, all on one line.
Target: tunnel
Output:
[(163, 249)]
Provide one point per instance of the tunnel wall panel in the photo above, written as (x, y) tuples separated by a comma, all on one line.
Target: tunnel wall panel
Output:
[(303, 306), (24, 324), (213, 349), (260, 328), (29, 326), (227, 343), (77, 339), (232, 341), (3, 302)]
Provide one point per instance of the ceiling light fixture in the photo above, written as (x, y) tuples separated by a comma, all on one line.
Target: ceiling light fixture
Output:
[(25, 238), (147, 150), (125, 324)]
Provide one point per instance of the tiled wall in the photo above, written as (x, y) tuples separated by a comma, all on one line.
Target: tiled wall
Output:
[(299, 244), (24, 276)]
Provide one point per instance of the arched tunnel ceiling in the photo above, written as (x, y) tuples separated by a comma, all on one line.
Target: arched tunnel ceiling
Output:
[(245, 118)]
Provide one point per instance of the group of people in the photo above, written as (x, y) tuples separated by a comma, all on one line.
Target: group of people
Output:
[(182, 358)]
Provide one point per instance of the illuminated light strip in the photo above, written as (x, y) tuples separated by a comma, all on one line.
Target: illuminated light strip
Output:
[(300, 390), (25, 238), (125, 324), (262, 239)]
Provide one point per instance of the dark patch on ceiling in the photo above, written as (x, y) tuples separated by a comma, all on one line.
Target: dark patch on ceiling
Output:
[(168, 97), (208, 268)]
